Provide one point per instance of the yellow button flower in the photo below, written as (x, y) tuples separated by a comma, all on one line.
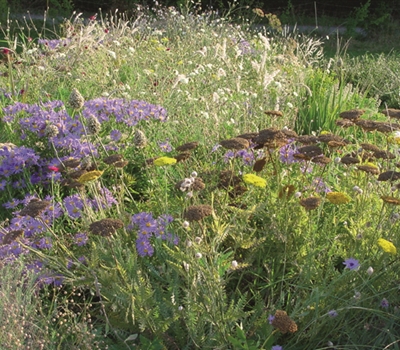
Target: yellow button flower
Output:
[(337, 197), (164, 161)]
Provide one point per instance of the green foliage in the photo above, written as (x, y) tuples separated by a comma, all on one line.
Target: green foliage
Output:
[(219, 282)]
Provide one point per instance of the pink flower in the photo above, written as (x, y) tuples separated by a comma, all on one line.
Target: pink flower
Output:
[(53, 168)]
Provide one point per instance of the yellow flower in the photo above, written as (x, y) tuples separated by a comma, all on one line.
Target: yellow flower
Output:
[(255, 180), (337, 197), (324, 132), (164, 161), (387, 246), (90, 176)]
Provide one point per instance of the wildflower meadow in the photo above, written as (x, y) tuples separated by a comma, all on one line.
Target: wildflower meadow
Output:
[(175, 180)]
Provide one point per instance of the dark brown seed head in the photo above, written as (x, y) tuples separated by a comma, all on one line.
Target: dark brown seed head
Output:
[(12, 236), (112, 159), (105, 227), (370, 147), (77, 174), (368, 169), (392, 113), (34, 208), (387, 127), (352, 114), (384, 155), (283, 322), (187, 146), (310, 151), (390, 175), (121, 164), (391, 200), (71, 163), (286, 191), (344, 123), (248, 135), (321, 160), (198, 184), (71, 183), (270, 136), (197, 212), (235, 143), (228, 179), (349, 160), (291, 134), (182, 156), (367, 125), (310, 203), (330, 137), (307, 139)]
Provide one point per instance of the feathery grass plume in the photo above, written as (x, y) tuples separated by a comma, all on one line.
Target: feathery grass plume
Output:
[(255, 180), (189, 146), (337, 197), (391, 200), (76, 100), (283, 322), (105, 227), (235, 143), (274, 113), (391, 112), (387, 246), (114, 158), (90, 176), (34, 208), (353, 114), (139, 139), (369, 168), (349, 160), (310, 203), (12, 236), (197, 212), (161, 161), (93, 125)]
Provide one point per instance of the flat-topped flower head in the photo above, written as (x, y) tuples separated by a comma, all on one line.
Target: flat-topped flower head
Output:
[(164, 161), (255, 180), (387, 246), (90, 176), (337, 197)]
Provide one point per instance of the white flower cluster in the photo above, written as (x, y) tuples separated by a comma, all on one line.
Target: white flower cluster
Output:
[(188, 182)]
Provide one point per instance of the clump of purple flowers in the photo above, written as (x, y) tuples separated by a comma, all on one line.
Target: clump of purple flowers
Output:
[(148, 227)]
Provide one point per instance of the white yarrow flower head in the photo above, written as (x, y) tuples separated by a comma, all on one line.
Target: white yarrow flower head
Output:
[(112, 54), (234, 264)]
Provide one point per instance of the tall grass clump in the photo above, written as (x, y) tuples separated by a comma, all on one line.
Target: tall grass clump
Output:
[(164, 186)]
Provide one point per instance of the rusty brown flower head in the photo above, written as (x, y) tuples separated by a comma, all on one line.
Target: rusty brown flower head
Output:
[(310, 151), (390, 175), (34, 208), (391, 200), (344, 123), (349, 160), (274, 113), (392, 113), (12, 236), (283, 322), (105, 227), (189, 146), (181, 157), (310, 203), (197, 212), (112, 159), (352, 114), (307, 139), (235, 143), (369, 169)]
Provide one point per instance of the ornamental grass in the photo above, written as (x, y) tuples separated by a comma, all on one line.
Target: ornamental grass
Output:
[(241, 239)]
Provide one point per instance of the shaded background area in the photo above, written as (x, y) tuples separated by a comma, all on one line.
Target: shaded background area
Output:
[(338, 8)]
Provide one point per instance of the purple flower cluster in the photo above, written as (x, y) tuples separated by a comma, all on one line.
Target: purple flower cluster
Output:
[(147, 227), (128, 112), (54, 43), (246, 156)]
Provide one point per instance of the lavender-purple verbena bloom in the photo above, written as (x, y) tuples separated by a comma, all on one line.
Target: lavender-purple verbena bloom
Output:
[(384, 303)]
